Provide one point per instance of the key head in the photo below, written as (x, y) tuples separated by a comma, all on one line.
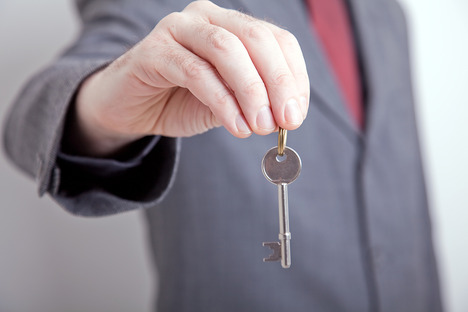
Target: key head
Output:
[(281, 169)]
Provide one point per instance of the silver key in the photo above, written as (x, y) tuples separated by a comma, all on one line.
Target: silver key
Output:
[(281, 170)]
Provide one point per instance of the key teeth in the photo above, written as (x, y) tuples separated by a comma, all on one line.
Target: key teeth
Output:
[(276, 255)]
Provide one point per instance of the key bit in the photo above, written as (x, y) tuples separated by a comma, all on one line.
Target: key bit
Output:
[(276, 255)]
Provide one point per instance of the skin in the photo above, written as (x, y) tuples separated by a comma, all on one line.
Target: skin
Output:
[(198, 69)]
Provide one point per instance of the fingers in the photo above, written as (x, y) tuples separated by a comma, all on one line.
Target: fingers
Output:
[(278, 62), (232, 61), (250, 74), (181, 67)]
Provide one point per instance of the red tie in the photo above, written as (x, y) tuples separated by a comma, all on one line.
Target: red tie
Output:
[(331, 21)]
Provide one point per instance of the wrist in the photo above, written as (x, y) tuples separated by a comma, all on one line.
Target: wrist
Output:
[(87, 132)]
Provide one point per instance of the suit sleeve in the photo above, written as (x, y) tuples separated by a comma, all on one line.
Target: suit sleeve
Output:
[(34, 127)]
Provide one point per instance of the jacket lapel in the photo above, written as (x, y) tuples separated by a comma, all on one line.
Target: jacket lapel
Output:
[(381, 36)]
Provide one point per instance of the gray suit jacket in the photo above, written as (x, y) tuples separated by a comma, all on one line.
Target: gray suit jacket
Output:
[(361, 234)]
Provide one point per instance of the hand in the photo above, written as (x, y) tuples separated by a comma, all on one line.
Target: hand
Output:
[(198, 69)]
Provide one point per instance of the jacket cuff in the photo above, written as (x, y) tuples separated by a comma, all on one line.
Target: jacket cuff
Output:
[(57, 104), (142, 182), (109, 167)]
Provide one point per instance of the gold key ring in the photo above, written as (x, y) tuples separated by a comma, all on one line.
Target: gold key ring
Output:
[(282, 136)]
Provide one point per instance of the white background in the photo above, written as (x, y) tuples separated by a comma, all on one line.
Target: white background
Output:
[(51, 261)]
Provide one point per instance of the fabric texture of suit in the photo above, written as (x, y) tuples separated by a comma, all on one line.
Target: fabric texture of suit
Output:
[(361, 234)]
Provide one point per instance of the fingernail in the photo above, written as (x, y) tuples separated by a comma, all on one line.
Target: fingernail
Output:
[(292, 112), (265, 119), (241, 125)]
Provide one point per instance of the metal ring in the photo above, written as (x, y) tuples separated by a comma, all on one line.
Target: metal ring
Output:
[(282, 136)]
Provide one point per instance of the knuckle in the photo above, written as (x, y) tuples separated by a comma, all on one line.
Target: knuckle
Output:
[(287, 38), (171, 19), (253, 88), (219, 39), (194, 69), (256, 30), (282, 78), (222, 98), (155, 41), (237, 15), (192, 6), (198, 5), (170, 58)]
